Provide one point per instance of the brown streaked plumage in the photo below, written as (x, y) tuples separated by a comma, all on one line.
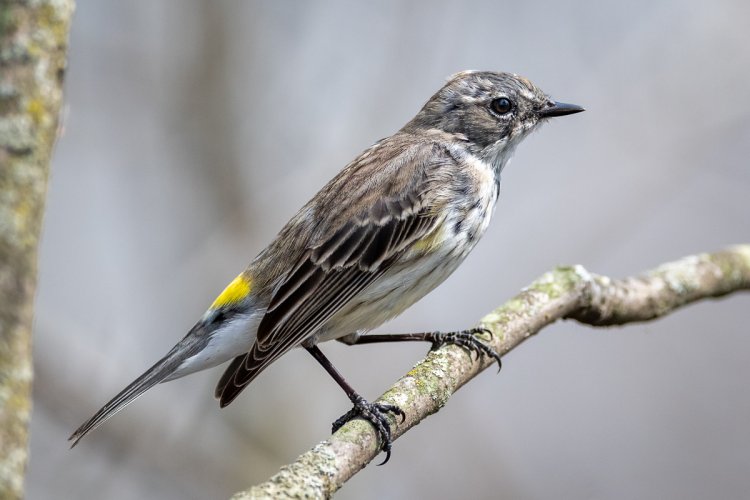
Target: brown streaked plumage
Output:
[(391, 226)]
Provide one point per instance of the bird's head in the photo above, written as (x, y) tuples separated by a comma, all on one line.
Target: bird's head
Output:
[(492, 111)]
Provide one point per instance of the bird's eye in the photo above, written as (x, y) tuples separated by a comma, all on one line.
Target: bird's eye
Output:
[(501, 105)]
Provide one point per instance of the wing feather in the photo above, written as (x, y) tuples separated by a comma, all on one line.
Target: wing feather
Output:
[(342, 261)]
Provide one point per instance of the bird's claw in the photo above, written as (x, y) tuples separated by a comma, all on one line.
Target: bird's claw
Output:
[(375, 413), (468, 340)]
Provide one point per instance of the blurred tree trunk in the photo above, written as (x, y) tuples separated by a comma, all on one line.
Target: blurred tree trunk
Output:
[(33, 44)]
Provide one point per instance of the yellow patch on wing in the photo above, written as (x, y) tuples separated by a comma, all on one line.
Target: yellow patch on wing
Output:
[(429, 242), (235, 291)]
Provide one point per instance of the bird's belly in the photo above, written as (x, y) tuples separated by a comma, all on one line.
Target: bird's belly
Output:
[(416, 274)]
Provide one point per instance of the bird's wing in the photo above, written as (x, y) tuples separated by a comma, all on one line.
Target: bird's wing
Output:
[(348, 255)]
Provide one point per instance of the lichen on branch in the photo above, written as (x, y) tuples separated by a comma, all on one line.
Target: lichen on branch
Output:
[(564, 293)]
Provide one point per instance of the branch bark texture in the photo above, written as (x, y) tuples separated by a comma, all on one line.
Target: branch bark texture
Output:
[(565, 293), (33, 43)]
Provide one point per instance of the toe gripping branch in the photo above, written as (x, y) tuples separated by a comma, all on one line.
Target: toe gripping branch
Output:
[(468, 340), (375, 413)]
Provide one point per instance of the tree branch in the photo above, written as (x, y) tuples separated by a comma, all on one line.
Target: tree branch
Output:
[(566, 292), (33, 43)]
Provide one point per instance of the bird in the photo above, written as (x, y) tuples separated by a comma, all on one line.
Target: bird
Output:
[(384, 232)]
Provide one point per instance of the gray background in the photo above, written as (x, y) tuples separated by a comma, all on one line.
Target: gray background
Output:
[(194, 130)]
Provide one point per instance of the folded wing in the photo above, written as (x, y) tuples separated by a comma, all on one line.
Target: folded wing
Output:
[(336, 266)]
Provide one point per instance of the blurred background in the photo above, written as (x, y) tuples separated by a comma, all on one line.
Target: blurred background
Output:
[(194, 130)]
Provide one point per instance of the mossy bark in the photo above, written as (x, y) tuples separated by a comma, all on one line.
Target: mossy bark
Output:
[(564, 293), (33, 46)]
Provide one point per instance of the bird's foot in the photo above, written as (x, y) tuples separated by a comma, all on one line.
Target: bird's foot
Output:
[(375, 413), (468, 340)]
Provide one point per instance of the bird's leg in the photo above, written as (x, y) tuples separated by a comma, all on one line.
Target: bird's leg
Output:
[(465, 338), (375, 413)]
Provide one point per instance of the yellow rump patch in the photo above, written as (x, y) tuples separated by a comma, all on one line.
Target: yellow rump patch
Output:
[(235, 291)]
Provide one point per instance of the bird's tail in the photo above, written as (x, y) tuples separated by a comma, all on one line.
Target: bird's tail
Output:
[(157, 373)]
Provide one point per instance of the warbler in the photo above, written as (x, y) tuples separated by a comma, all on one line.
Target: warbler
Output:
[(385, 231)]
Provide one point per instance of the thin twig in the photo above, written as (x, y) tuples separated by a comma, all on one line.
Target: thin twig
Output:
[(566, 292)]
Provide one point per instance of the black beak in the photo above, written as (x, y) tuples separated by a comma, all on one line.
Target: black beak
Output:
[(559, 109)]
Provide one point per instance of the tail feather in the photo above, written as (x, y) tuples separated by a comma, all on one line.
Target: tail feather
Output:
[(157, 373), (228, 375)]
